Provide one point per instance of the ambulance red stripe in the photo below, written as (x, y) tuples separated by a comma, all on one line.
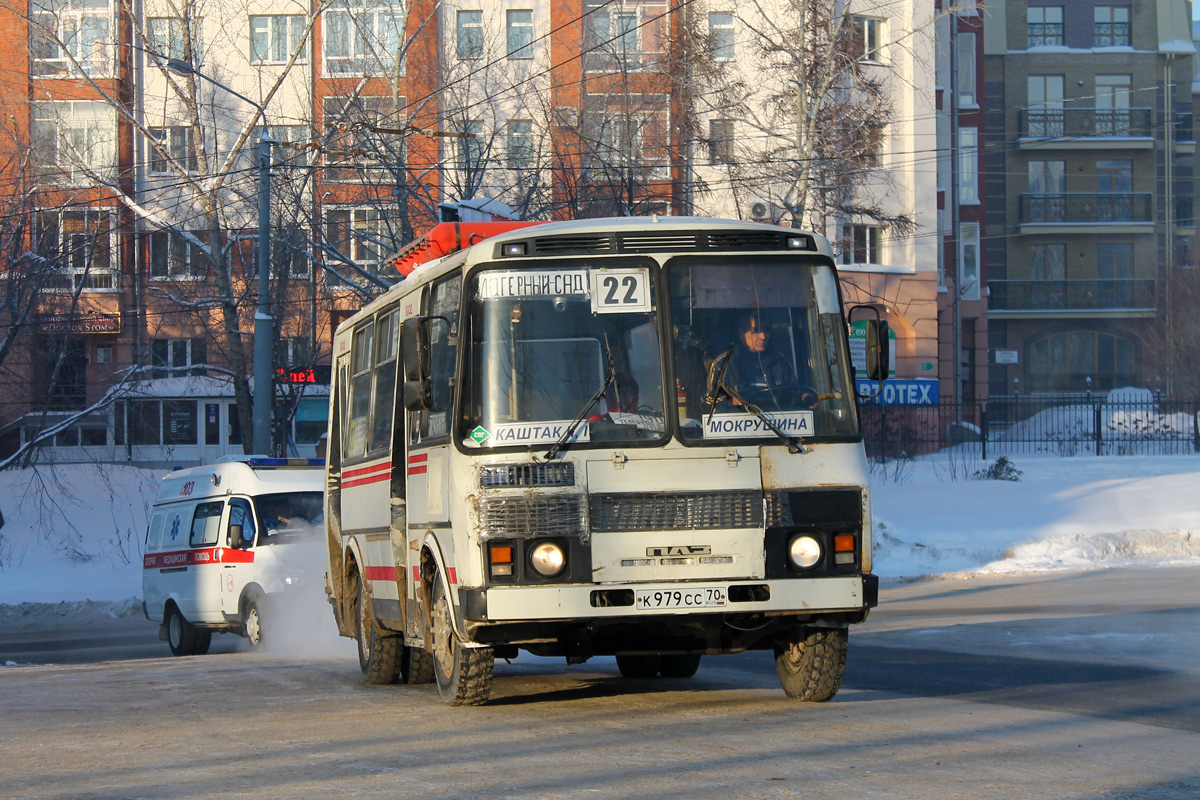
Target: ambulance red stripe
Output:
[(189, 558)]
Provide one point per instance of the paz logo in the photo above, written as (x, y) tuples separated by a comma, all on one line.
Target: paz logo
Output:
[(479, 434)]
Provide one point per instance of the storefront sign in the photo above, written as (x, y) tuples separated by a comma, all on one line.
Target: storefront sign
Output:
[(84, 323), (901, 392)]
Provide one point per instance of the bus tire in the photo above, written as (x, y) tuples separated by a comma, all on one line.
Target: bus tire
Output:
[(378, 656), (463, 675), (416, 666), (679, 665), (252, 623), (632, 666), (181, 635), (811, 662)]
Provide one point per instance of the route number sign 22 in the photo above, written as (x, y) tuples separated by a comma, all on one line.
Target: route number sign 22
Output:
[(619, 291)]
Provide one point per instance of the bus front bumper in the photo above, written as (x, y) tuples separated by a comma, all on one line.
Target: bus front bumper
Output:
[(816, 596)]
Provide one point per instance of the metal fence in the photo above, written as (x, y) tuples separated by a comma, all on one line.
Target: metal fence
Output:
[(1066, 426)]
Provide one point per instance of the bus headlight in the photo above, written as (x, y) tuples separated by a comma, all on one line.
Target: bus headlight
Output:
[(804, 551), (547, 559)]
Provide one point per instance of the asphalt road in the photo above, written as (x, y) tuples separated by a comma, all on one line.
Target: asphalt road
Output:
[(1077, 685)]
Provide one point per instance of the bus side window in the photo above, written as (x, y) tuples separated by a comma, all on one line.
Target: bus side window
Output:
[(359, 411), (387, 338), (444, 301)]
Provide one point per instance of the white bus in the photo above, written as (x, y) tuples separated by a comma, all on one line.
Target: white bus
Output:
[(630, 437)]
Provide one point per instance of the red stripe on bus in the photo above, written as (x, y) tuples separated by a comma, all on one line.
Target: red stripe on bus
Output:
[(452, 574), (189, 558), (350, 473), (418, 458), (380, 573), (383, 476), (416, 575), (421, 470)]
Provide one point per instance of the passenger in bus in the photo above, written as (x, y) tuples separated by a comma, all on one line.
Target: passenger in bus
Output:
[(752, 367)]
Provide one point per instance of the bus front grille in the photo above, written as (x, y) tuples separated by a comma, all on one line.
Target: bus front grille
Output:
[(557, 515), (673, 511)]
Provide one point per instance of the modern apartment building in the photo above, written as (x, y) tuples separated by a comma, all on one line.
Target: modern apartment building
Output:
[(1088, 125)]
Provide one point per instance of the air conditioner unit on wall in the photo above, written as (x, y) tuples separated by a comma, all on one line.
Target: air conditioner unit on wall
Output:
[(104, 355), (765, 211)]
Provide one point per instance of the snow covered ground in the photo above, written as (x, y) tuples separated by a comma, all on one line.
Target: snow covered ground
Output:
[(74, 533)]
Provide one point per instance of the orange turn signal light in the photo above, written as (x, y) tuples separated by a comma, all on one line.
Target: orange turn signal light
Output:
[(501, 554), (843, 543)]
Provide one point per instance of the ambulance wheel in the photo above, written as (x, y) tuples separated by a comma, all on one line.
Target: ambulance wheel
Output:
[(679, 665), (416, 666), (463, 674), (811, 661), (639, 666), (181, 635), (378, 656), (202, 641), (252, 624)]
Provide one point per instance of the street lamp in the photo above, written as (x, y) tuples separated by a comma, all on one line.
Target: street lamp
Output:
[(263, 379)]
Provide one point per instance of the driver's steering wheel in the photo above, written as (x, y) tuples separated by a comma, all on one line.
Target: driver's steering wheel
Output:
[(785, 396)]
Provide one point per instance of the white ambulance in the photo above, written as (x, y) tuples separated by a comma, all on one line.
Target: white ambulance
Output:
[(231, 544)]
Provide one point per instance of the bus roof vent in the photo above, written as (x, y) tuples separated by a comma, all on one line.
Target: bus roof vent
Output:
[(563, 245), (747, 240), (659, 242)]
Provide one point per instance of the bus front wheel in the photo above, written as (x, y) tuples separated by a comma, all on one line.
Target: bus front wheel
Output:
[(811, 661), (463, 674)]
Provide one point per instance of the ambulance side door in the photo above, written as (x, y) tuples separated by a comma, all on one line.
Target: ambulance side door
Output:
[(237, 560)]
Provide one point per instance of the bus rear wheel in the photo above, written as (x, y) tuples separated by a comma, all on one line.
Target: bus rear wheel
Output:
[(635, 666), (463, 674), (378, 655), (811, 662), (416, 666)]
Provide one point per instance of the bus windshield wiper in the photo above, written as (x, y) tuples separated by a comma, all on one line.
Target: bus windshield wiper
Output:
[(609, 379), (717, 386)]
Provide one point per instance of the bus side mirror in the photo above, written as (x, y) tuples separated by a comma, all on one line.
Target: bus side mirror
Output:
[(879, 354), (416, 348)]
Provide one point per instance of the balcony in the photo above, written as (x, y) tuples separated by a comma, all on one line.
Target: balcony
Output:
[(1085, 128), (1080, 212), (1111, 296)]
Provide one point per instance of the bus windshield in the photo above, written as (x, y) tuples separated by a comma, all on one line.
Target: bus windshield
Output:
[(759, 339), (545, 341)]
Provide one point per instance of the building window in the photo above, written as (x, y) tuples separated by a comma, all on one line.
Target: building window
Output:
[(1045, 25), (860, 244), (1048, 269), (1112, 26), (1045, 107), (166, 37), (720, 28), (1112, 104), (968, 261), (1064, 362), (273, 39), (614, 36), (1047, 187), (172, 256), (470, 147), (363, 39), (521, 151), (176, 141), (968, 165), (469, 34), (720, 141), (1114, 185), (174, 357), (967, 78), (81, 242), (73, 139), (71, 37), (358, 111), (360, 235), (1114, 274), (519, 33), (870, 38)]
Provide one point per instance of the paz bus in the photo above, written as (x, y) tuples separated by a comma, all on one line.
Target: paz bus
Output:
[(544, 439)]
